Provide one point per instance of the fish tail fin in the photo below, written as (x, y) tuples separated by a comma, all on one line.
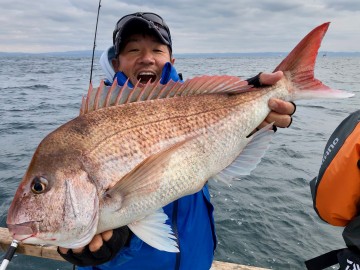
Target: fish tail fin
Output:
[(299, 65)]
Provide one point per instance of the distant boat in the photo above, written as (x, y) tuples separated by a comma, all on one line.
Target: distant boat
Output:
[(324, 54)]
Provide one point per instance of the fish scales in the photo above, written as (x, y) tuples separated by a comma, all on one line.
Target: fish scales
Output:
[(217, 130)]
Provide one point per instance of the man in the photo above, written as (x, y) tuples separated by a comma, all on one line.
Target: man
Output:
[(142, 51)]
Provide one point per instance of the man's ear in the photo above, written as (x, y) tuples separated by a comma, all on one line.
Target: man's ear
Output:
[(115, 63), (172, 61)]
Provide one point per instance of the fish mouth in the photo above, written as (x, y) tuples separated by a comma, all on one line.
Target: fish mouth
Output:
[(23, 231), (27, 233), (146, 76)]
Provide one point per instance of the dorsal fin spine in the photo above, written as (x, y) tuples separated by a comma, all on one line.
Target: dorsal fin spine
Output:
[(165, 89), (149, 91), (90, 90), (183, 87), (206, 83), (177, 89), (153, 95), (142, 92), (132, 93), (98, 92), (120, 93), (83, 103), (110, 92), (169, 94)]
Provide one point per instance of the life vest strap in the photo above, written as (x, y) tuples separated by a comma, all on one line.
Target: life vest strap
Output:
[(323, 261)]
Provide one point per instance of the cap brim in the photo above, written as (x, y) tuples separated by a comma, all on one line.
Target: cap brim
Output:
[(138, 24)]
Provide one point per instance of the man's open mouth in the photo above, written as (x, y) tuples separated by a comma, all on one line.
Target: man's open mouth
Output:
[(144, 77)]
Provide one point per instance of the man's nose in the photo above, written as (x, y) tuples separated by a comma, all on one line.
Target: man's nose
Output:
[(147, 57)]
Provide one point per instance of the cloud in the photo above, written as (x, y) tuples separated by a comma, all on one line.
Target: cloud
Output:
[(196, 26)]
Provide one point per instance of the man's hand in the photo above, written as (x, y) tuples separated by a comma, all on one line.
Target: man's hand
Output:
[(281, 111), (102, 248)]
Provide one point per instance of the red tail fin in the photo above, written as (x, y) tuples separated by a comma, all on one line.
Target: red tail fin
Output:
[(303, 56), (299, 65)]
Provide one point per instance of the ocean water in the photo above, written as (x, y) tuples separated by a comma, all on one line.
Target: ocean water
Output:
[(265, 219)]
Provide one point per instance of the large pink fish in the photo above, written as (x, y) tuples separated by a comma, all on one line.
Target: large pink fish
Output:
[(133, 151)]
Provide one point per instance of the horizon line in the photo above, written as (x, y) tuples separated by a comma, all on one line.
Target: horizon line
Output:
[(98, 52)]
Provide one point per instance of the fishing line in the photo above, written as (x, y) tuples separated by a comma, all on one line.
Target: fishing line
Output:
[(9, 254), (93, 52)]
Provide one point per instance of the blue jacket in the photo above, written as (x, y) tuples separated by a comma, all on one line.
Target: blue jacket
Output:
[(191, 218)]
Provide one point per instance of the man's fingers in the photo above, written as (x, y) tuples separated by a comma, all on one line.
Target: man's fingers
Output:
[(96, 243), (107, 235), (279, 120), (270, 78), (63, 250), (78, 250), (281, 107)]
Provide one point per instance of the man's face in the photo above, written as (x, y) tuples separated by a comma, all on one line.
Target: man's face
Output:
[(143, 58)]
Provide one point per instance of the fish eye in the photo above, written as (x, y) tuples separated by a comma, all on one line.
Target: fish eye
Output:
[(39, 185)]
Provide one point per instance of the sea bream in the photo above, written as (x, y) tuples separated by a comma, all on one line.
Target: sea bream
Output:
[(133, 151)]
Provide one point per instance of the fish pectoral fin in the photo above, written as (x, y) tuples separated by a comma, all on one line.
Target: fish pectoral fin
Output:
[(153, 230), (249, 157), (143, 179)]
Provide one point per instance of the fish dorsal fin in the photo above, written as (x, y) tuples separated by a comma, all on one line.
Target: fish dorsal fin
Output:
[(153, 230), (249, 157), (106, 96)]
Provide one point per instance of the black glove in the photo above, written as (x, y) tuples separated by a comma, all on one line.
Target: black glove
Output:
[(255, 81), (349, 259), (120, 238)]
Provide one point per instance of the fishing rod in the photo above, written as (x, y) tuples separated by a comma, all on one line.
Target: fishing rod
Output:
[(9, 254), (93, 52)]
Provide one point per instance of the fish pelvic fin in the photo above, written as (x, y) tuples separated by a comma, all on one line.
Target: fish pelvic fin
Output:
[(299, 66), (106, 96), (153, 230), (249, 157)]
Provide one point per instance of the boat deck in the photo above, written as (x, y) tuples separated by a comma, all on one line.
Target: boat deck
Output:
[(49, 252)]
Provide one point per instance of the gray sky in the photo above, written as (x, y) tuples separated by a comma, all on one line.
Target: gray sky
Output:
[(196, 25)]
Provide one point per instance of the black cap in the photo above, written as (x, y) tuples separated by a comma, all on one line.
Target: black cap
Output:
[(140, 21)]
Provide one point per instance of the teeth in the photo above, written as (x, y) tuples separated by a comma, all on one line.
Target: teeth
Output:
[(146, 73), (145, 76)]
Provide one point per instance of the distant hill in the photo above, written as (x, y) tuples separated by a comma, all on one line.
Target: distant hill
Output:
[(55, 54), (88, 53), (262, 54)]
